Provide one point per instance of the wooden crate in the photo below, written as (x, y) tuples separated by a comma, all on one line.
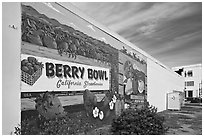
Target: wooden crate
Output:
[(31, 79)]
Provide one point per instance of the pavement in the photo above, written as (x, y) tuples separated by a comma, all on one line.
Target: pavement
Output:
[(187, 121)]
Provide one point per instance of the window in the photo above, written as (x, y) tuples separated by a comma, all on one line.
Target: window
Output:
[(189, 83), (190, 73), (190, 93)]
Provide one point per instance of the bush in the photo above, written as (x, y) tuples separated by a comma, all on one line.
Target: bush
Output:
[(73, 123), (194, 99), (144, 121)]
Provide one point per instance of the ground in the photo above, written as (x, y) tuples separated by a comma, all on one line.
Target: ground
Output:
[(187, 121)]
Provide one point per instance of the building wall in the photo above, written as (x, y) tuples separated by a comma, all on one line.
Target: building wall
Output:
[(10, 66), (161, 81), (196, 77)]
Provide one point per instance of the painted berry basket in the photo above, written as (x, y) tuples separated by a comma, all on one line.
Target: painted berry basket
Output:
[(31, 79)]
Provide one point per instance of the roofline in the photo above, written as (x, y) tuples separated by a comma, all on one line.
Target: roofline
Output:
[(78, 12), (188, 66)]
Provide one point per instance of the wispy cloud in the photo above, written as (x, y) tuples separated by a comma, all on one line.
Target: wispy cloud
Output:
[(73, 25), (168, 31), (50, 6), (103, 39), (91, 27)]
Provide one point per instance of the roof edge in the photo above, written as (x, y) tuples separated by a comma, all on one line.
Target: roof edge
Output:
[(188, 66)]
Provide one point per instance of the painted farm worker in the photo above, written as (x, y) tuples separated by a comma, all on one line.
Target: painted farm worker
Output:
[(135, 79), (90, 101), (141, 82), (49, 106), (106, 101), (139, 78), (49, 41), (72, 47), (128, 77), (33, 37)]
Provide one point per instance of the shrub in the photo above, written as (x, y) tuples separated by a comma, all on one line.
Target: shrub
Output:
[(194, 99), (144, 121), (71, 124)]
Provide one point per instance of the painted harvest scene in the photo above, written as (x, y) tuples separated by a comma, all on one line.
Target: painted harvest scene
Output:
[(74, 77)]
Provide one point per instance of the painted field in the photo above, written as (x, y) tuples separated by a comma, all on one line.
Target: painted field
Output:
[(31, 49), (29, 103)]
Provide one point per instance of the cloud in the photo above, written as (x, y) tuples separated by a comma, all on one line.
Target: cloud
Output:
[(50, 6), (158, 12), (103, 39), (111, 12), (168, 31), (148, 29), (72, 24), (91, 27), (184, 50)]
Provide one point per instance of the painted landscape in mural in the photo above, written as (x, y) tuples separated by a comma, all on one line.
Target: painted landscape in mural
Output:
[(67, 73)]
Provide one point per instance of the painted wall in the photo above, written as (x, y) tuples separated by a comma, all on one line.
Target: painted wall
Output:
[(54, 54), (161, 81), (10, 67), (133, 72)]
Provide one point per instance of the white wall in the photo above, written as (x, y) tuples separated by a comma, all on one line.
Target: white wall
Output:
[(10, 66), (161, 81), (197, 77)]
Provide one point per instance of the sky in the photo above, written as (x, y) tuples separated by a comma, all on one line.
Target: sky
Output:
[(170, 32)]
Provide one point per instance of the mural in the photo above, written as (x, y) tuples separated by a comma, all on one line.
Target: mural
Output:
[(64, 71), (48, 34), (133, 70), (69, 71)]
